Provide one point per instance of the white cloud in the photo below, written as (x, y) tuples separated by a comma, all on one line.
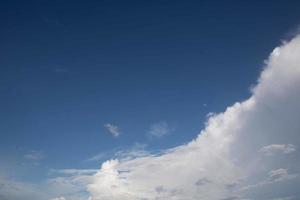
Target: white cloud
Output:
[(159, 130), (224, 161), (277, 148), (113, 129)]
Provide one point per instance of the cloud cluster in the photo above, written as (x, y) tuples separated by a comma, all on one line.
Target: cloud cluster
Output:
[(228, 159)]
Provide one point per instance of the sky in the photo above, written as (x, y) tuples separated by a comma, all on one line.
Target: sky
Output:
[(107, 100)]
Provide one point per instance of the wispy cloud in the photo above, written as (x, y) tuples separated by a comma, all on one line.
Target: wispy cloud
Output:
[(273, 149), (113, 129), (18, 191), (59, 198), (134, 151), (99, 157), (65, 184), (273, 177), (34, 156), (159, 129), (70, 186), (278, 174), (73, 171)]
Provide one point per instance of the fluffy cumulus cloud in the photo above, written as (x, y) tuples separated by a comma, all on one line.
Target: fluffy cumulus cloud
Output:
[(247, 152)]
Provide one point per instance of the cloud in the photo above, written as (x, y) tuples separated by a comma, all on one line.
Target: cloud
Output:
[(285, 198), (159, 130), (73, 171), (137, 150), (16, 190), (278, 174), (277, 148), (59, 198), (34, 156), (224, 161), (70, 186), (98, 157), (114, 130), (273, 177), (65, 183)]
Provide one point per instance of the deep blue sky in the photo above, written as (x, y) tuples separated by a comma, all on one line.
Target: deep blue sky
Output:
[(69, 67)]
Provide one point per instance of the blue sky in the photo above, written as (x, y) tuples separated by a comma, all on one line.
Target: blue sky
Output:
[(87, 78)]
